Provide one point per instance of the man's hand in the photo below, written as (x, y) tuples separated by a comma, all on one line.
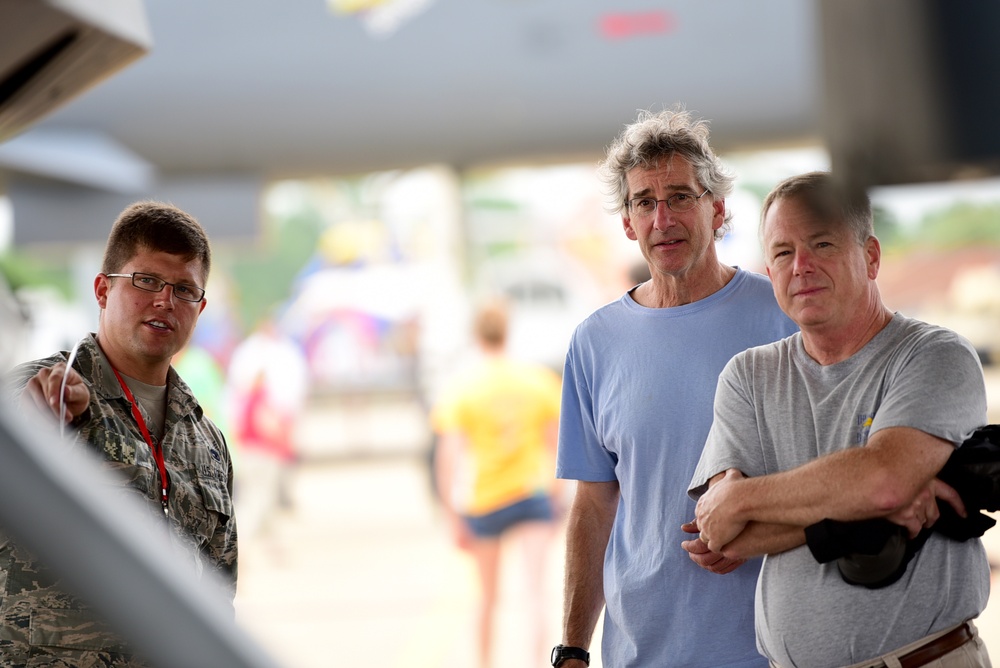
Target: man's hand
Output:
[(42, 391), (701, 555), (923, 511), (715, 512)]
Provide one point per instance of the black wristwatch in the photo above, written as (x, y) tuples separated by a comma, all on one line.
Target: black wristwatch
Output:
[(562, 653)]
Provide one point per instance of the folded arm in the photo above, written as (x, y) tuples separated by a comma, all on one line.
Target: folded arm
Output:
[(889, 477), (756, 539)]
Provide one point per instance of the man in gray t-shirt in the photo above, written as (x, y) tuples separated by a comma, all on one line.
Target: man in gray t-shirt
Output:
[(849, 419)]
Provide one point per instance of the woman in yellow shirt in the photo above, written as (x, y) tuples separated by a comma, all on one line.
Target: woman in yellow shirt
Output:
[(497, 423)]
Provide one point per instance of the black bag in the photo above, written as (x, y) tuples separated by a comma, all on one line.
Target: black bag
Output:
[(874, 553)]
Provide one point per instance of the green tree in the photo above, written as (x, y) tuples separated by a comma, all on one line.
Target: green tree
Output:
[(887, 228), (264, 278), (962, 224), (24, 269)]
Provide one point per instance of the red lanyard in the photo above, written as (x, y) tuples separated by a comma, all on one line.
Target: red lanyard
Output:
[(155, 447)]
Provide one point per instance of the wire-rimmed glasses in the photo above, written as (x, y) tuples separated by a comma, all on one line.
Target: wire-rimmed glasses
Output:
[(150, 283), (645, 207)]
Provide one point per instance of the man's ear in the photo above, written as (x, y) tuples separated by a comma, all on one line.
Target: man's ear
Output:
[(629, 231), (873, 256), (718, 212), (101, 286)]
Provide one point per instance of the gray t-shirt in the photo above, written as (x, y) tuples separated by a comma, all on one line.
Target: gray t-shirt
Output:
[(776, 408)]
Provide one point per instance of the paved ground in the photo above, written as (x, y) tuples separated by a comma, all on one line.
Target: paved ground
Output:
[(361, 573)]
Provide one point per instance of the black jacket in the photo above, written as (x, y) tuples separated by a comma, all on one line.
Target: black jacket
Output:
[(874, 553)]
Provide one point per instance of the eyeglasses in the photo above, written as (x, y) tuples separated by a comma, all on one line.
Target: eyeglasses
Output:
[(150, 283), (645, 207)]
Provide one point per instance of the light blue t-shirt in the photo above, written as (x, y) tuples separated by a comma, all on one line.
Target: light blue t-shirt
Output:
[(637, 406)]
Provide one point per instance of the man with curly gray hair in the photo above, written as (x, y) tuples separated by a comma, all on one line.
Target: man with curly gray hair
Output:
[(639, 382), (650, 138)]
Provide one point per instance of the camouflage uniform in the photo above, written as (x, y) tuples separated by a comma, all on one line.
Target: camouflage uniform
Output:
[(43, 626)]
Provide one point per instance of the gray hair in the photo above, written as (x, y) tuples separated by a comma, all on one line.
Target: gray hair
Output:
[(655, 136), (828, 200)]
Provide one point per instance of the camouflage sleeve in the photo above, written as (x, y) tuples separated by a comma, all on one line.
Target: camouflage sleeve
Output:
[(222, 547), (201, 484), (15, 380)]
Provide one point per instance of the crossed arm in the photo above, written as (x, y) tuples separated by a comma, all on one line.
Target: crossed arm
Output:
[(893, 476)]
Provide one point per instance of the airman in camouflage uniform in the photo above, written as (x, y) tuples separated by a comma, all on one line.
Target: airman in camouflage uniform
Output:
[(38, 618), (142, 325)]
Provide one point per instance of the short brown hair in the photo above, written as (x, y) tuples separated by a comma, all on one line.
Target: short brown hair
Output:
[(490, 324), (155, 226)]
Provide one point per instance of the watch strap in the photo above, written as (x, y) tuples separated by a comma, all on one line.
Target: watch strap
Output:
[(561, 653)]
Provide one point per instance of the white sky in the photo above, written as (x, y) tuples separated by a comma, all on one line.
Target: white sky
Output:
[(910, 203)]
